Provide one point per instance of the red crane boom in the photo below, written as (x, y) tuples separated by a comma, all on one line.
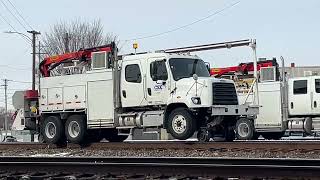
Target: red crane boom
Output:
[(243, 68), (83, 55)]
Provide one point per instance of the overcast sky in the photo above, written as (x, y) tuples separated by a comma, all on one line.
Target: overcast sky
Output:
[(288, 27)]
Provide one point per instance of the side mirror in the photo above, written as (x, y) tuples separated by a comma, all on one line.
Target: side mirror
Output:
[(207, 65)]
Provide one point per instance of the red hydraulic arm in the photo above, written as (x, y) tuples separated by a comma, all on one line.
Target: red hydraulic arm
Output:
[(83, 54), (243, 68)]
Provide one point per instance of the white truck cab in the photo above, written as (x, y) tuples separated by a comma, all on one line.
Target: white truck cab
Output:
[(161, 79), (304, 96), (180, 89), (287, 105)]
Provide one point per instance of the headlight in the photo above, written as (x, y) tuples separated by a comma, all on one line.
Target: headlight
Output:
[(196, 100)]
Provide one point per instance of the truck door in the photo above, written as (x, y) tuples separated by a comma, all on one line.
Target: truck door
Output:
[(132, 83), (315, 85), (300, 97), (157, 81)]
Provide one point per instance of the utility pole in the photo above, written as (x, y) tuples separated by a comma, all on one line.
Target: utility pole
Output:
[(34, 33), (6, 106), (39, 60)]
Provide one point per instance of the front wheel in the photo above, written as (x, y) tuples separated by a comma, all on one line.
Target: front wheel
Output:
[(181, 124), (244, 129)]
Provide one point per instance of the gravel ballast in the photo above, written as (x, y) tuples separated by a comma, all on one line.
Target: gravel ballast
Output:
[(145, 152)]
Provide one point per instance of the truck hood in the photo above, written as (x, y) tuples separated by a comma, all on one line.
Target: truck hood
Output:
[(187, 88)]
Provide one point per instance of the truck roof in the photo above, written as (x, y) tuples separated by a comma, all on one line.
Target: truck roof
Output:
[(157, 54), (306, 77)]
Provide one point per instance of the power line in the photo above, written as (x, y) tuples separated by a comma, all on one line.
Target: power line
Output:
[(7, 22), (21, 81), (19, 14), (186, 25), (14, 68), (14, 89), (14, 16)]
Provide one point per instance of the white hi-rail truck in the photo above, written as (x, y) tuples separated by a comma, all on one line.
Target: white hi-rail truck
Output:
[(103, 95), (287, 105)]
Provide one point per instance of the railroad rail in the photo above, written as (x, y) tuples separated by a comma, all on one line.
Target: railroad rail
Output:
[(102, 167), (284, 146)]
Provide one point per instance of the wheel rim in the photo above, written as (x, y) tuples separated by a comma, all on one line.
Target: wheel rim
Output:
[(50, 130), (179, 124), (74, 129), (243, 130)]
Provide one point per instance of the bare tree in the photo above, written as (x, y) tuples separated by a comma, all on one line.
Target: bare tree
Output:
[(68, 37), (2, 117)]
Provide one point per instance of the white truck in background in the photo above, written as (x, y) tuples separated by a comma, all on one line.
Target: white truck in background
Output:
[(103, 95), (287, 105)]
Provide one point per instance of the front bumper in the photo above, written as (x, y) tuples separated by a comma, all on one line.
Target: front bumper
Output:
[(234, 110)]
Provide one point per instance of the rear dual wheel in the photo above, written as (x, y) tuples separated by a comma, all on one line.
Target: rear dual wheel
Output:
[(52, 130), (75, 128)]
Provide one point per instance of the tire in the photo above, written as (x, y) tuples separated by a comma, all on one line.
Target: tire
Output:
[(75, 129), (111, 135), (181, 124), (244, 129), (53, 130)]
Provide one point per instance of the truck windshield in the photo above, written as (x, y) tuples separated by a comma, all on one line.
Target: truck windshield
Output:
[(185, 68)]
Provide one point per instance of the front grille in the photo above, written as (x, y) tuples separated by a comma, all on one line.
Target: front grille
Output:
[(224, 94)]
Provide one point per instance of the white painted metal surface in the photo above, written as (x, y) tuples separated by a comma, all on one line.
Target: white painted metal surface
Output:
[(100, 102), (19, 121), (91, 91), (74, 97), (159, 90), (315, 101), (270, 101), (133, 93), (299, 99)]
